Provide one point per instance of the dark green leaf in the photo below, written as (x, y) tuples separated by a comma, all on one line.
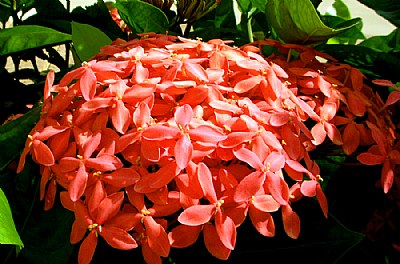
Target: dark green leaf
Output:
[(389, 9), (260, 26), (88, 40), (98, 15), (244, 5), (45, 233), (22, 38), (375, 64), (142, 17), (50, 13), (329, 167), (25, 5), (46, 236), (297, 21), (8, 233), (259, 4), (316, 3), (321, 241), (208, 33), (389, 43), (5, 13), (351, 36), (224, 15), (219, 23), (13, 136), (6, 3), (50, 9)]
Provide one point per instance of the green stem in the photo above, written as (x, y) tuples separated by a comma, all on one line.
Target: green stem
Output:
[(68, 45), (249, 30), (187, 29), (245, 25)]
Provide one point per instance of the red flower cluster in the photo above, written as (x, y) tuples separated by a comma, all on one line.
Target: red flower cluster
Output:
[(160, 139)]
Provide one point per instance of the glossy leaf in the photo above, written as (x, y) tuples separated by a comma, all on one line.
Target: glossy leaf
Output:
[(8, 233), (142, 17), (10, 136), (87, 49), (389, 43), (22, 38), (297, 21)]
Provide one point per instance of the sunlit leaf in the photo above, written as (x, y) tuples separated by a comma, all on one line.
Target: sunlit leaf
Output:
[(87, 40), (8, 233), (297, 21), (22, 38), (351, 36), (142, 17), (341, 9)]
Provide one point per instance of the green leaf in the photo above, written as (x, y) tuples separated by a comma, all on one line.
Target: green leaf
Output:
[(13, 136), (375, 64), (88, 40), (6, 3), (25, 5), (224, 15), (142, 17), (45, 233), (8, 233), (50, 9), (389, 9), (259, 4), (350, 36), (341, 9), (52, 14), (53, 225), (316, 3), (244, 5), (22, 38), (98, 15), (5, 13), (297, 21), (389, 43), (322, 241)]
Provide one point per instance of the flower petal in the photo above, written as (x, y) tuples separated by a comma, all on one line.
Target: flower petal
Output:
[(196, 215), (291, 222), (183, 151), (87, 248), (118, 238), (183, 236)]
